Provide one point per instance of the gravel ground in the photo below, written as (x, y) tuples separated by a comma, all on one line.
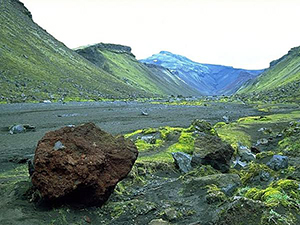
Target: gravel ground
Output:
[(113, 117)]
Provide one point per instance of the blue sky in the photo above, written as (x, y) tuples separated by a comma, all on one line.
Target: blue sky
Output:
[(241, 33)]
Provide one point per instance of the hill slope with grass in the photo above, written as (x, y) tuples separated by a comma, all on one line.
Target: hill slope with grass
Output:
[(119, 61), (34, 66), (280, 82), (206, 78)]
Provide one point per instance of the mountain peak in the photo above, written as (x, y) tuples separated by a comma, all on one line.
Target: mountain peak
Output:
[(206, 78)]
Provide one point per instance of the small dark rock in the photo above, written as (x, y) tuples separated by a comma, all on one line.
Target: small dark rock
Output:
[(30, 167), (19, 160), (29, 127), (211, 150), (255, 149)]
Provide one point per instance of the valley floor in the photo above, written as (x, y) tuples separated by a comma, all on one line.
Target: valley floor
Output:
[(168, 195)]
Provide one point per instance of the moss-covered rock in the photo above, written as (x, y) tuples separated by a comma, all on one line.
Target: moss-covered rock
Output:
[(211, 150), (203, 126), (284, 193), (241, 211), (214, 194), (256, 173)]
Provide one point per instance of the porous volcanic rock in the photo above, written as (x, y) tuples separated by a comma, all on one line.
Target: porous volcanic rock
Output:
[(211, 150), (81, 165)]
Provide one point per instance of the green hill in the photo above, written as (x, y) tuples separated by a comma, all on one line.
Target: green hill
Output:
[(281, 82), (119, 61), (34, 66)]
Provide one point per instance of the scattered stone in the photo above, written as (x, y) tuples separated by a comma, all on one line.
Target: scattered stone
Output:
[(87, 170), (226, 119), (149, 138), (17, 129), (211, 150), (29, 127), (254, 150), (21, 128), (68, 115), (261, 129), (238, 165), (246, 155), (159, 222), (47, 101), (144, 113), (262, 141), (264, 176), (183, 161), (278, 162)]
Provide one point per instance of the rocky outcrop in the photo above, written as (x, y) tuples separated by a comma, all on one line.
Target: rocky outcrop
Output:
[(211, 150), (81, 165)]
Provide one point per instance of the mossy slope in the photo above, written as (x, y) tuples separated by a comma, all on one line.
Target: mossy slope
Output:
[(34, 66), (280, 82), (119, 61)]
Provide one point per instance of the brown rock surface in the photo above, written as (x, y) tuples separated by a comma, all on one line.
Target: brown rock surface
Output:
[(81, 164)]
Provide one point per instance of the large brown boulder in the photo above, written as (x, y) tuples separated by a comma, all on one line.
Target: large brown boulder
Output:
[(81, 165), (211, 150)]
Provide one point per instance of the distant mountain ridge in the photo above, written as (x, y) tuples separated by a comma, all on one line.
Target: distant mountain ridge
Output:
[(206, 78)]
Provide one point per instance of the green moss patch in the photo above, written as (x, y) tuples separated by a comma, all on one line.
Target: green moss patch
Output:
[(283, 192)]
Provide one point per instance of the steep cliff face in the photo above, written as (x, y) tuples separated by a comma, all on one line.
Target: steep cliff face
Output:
[(206, 78), (119, 61), (280, 82)]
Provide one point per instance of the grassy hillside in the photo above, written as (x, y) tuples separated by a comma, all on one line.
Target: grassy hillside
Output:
[(34, 66), (119, 61), (281, 82)]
